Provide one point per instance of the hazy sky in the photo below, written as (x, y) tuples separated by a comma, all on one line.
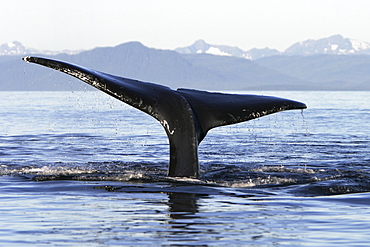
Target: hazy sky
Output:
[(168, 24)]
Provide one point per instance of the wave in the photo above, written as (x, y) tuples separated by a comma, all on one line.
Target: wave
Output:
[(299, 180)]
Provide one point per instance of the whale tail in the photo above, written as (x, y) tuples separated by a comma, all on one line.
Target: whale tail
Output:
[(186, 115)]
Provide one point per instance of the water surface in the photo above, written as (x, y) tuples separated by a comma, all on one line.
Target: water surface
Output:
[(82, 169)]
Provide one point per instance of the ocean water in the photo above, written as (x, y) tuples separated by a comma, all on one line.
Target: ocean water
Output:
[(83, 169)]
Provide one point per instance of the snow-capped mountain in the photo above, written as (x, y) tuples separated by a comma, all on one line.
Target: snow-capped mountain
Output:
[(336, 45), (16, 48), (200, 46)]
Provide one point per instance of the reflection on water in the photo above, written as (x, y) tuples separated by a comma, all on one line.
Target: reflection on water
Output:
[(65, 212), (182, 205)]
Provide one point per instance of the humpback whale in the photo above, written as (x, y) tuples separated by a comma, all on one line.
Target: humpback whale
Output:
[(185, 114)]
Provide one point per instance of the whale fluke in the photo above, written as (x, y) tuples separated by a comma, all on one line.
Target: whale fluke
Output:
[(186, 114)]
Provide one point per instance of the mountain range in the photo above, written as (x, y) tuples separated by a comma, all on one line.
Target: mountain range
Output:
[(17, 48), (333, 63), (335, 45)]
